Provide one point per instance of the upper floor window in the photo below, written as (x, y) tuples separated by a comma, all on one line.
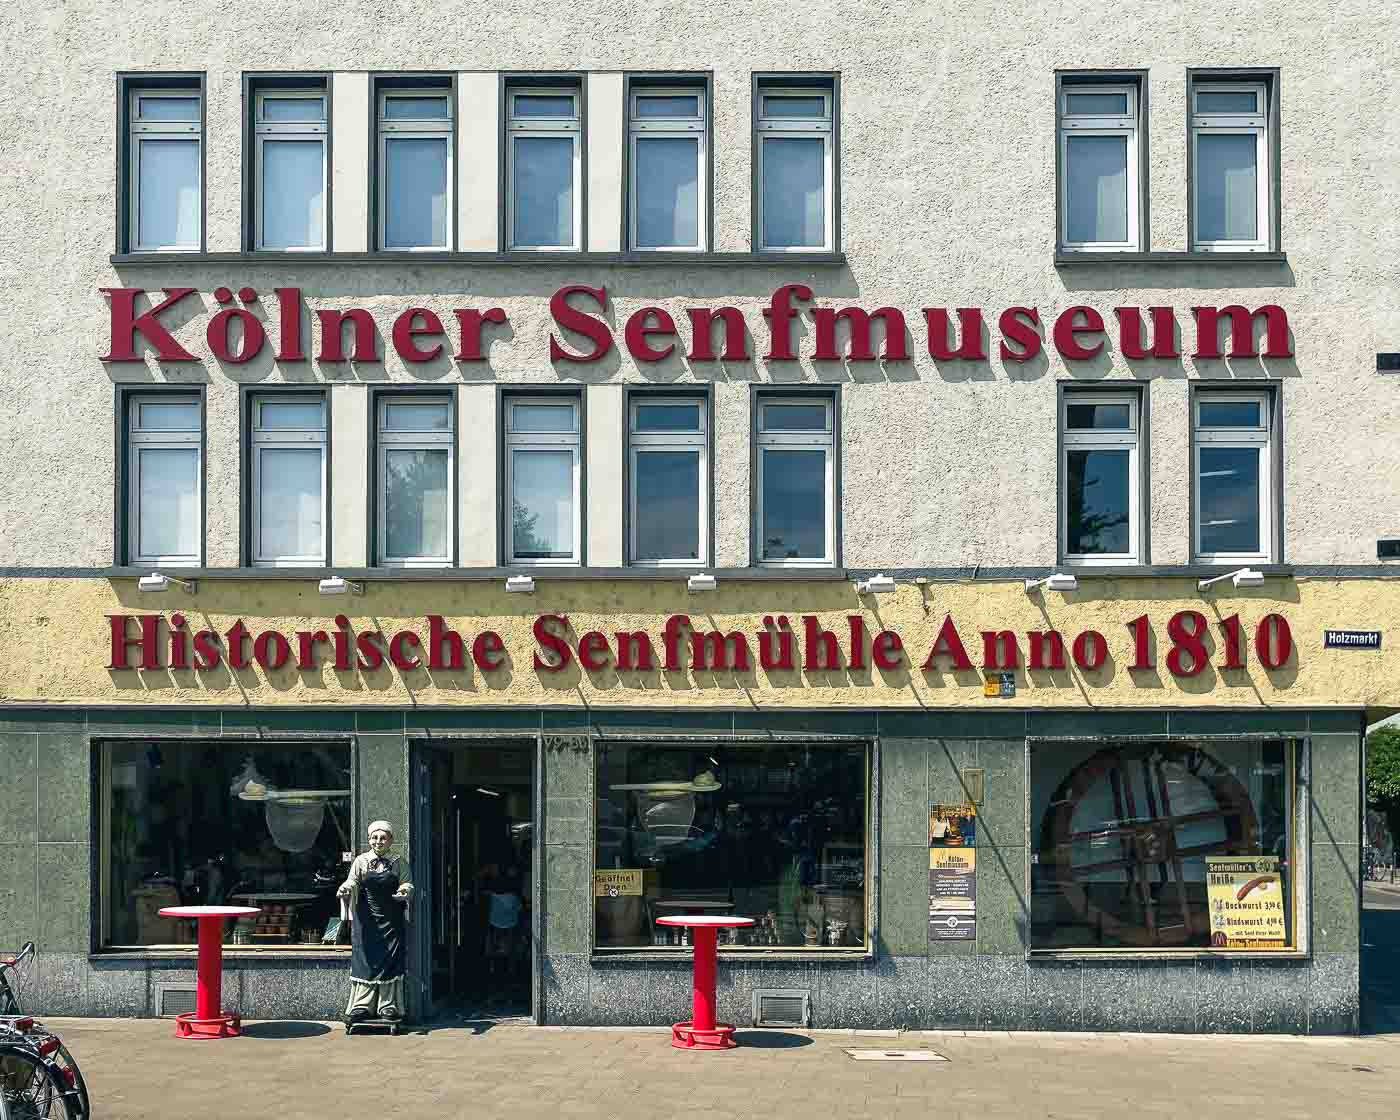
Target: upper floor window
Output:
[(289, 479), (1100, 488), (415, 162), (165, 437), (795, 150), (1232, 146), (544, 470), (290, 132), (416, 467), (165, 162), (1233, 476), (544, 168), (668, 159), (1099, 165), (796, 482), (668, 469)]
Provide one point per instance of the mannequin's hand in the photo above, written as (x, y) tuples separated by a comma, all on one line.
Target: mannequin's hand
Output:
[(343, 891), (405, 892)]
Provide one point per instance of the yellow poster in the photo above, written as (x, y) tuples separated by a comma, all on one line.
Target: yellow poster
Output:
[(1246, 902), (617, 882)]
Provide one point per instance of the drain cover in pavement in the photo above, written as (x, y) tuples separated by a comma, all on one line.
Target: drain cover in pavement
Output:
[(896, 1055)]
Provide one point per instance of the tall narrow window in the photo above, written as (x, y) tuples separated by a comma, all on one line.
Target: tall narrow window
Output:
[(289, 480), (1100, 508), (669, 471), (290, 132), (416, 471), (1233, 476), (544, 466), (544, 202), (164, 479), (1099, 167), (1230, 166), (415, 168), (796, 168), (166, 165), (667, 132), (796, 511)]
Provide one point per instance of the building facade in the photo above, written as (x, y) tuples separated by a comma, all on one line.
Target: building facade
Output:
[(923, 484)]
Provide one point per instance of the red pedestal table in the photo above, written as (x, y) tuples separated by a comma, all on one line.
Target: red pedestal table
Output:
[(702, 1032), (209, 1020)]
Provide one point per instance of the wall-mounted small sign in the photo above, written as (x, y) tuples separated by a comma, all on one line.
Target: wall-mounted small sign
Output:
[(999, 685), (1351, 639)]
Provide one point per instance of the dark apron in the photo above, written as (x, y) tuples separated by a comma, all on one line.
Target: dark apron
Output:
[(377, 938)]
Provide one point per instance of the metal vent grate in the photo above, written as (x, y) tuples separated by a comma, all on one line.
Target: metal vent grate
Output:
[(782, 1007), (174, 999)]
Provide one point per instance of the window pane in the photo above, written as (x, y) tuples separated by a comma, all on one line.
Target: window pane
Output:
[(1227, 187), (1096, 104), (1227, 101), (668, 105), (168, 203), (289, 502), (1229, 414), (544, 190), (775, 832), (671, 416), (293, 193), (794, 191), (543, 105), (415, 108), (280, 110), (291, 415), (181, 833), (416, 517), (1097, 502), (1121, 833), (542, 418), (542, 504), (795, 417), (1098, 415), (1096, 189), (168, 501), (167, 108), (1229, 499), (794, 505), (168, 416), (668, 191), (781, 105), (417, 416), (668, 505), (415, 177)]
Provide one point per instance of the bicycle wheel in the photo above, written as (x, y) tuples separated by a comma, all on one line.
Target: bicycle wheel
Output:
[(30, 1091), (64, 1060)]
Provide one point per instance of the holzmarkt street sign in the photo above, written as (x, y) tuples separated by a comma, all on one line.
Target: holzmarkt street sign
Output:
[(1351, 639)]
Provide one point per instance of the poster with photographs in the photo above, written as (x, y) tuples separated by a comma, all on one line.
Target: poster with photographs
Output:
[(952, 873)]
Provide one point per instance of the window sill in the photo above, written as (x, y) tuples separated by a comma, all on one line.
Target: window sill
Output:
[(389, 574), (231, 953), (1196, 569), (638, 955), (1069, 259), (791, 260), (1143, 955)]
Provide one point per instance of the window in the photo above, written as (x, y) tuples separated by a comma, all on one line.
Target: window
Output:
[(1233, 461), (223, 823), (1163, 845), (1230, 166), (796, 507), (544, 467), (778, 832), (165, 163), (415, 168), (544, 198), (290, 133), (165, 479), (668, 468), (1101, 509), (417, 466), (668, 159), (289, 479), (796, 159), (1099, 166)]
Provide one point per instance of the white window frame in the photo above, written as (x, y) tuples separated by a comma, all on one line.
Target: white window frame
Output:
[(1078, 124), (263, 439), (140, 131), (433, 439), (1261, 437), (1103, 439), (1238, 124), (139, 439), (669, 128), (546, 441), (428, 128), (570, 128), (825, 126), (787, 440), (696, 441), (300, 130)]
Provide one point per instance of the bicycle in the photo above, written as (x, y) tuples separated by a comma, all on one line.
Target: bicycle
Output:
[(47, 1044), (32, 1086)]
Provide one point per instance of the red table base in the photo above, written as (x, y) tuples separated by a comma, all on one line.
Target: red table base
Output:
[(685, 1036), (190, 1025)]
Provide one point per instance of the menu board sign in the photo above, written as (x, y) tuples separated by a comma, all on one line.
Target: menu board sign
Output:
[(952, 873), (1246, 902)]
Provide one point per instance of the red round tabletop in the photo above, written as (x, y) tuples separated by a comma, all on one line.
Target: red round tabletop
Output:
[(209, 1020), (208, 911), (703, 921)]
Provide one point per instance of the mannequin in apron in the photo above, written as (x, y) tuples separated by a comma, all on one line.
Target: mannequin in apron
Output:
[(376, 899)]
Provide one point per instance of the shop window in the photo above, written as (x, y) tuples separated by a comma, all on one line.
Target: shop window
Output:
[(415, 167), (796, 480), (544, 168), (544, 470), (668, 469), (668, 138), (1232, 147), (1233, 464), (165, 168), (165, 479), (416, 466), (778, 834), (795, 150), (1100, 487), (1100, 165), (290, 131), (1163, 845), (289, 479), (187, 823)]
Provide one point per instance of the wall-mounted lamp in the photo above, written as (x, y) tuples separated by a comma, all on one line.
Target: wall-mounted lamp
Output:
[(701, 581), (156, 581), (336, 585), (1245, 577), (525, 584), (875, 585), (1057, 581)]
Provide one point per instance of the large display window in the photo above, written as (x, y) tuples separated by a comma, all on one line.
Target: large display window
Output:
[(187, 823), (773, 833), (1163, 845)]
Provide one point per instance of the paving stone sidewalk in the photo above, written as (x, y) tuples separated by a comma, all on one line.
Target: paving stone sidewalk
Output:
[(135, 1068)]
